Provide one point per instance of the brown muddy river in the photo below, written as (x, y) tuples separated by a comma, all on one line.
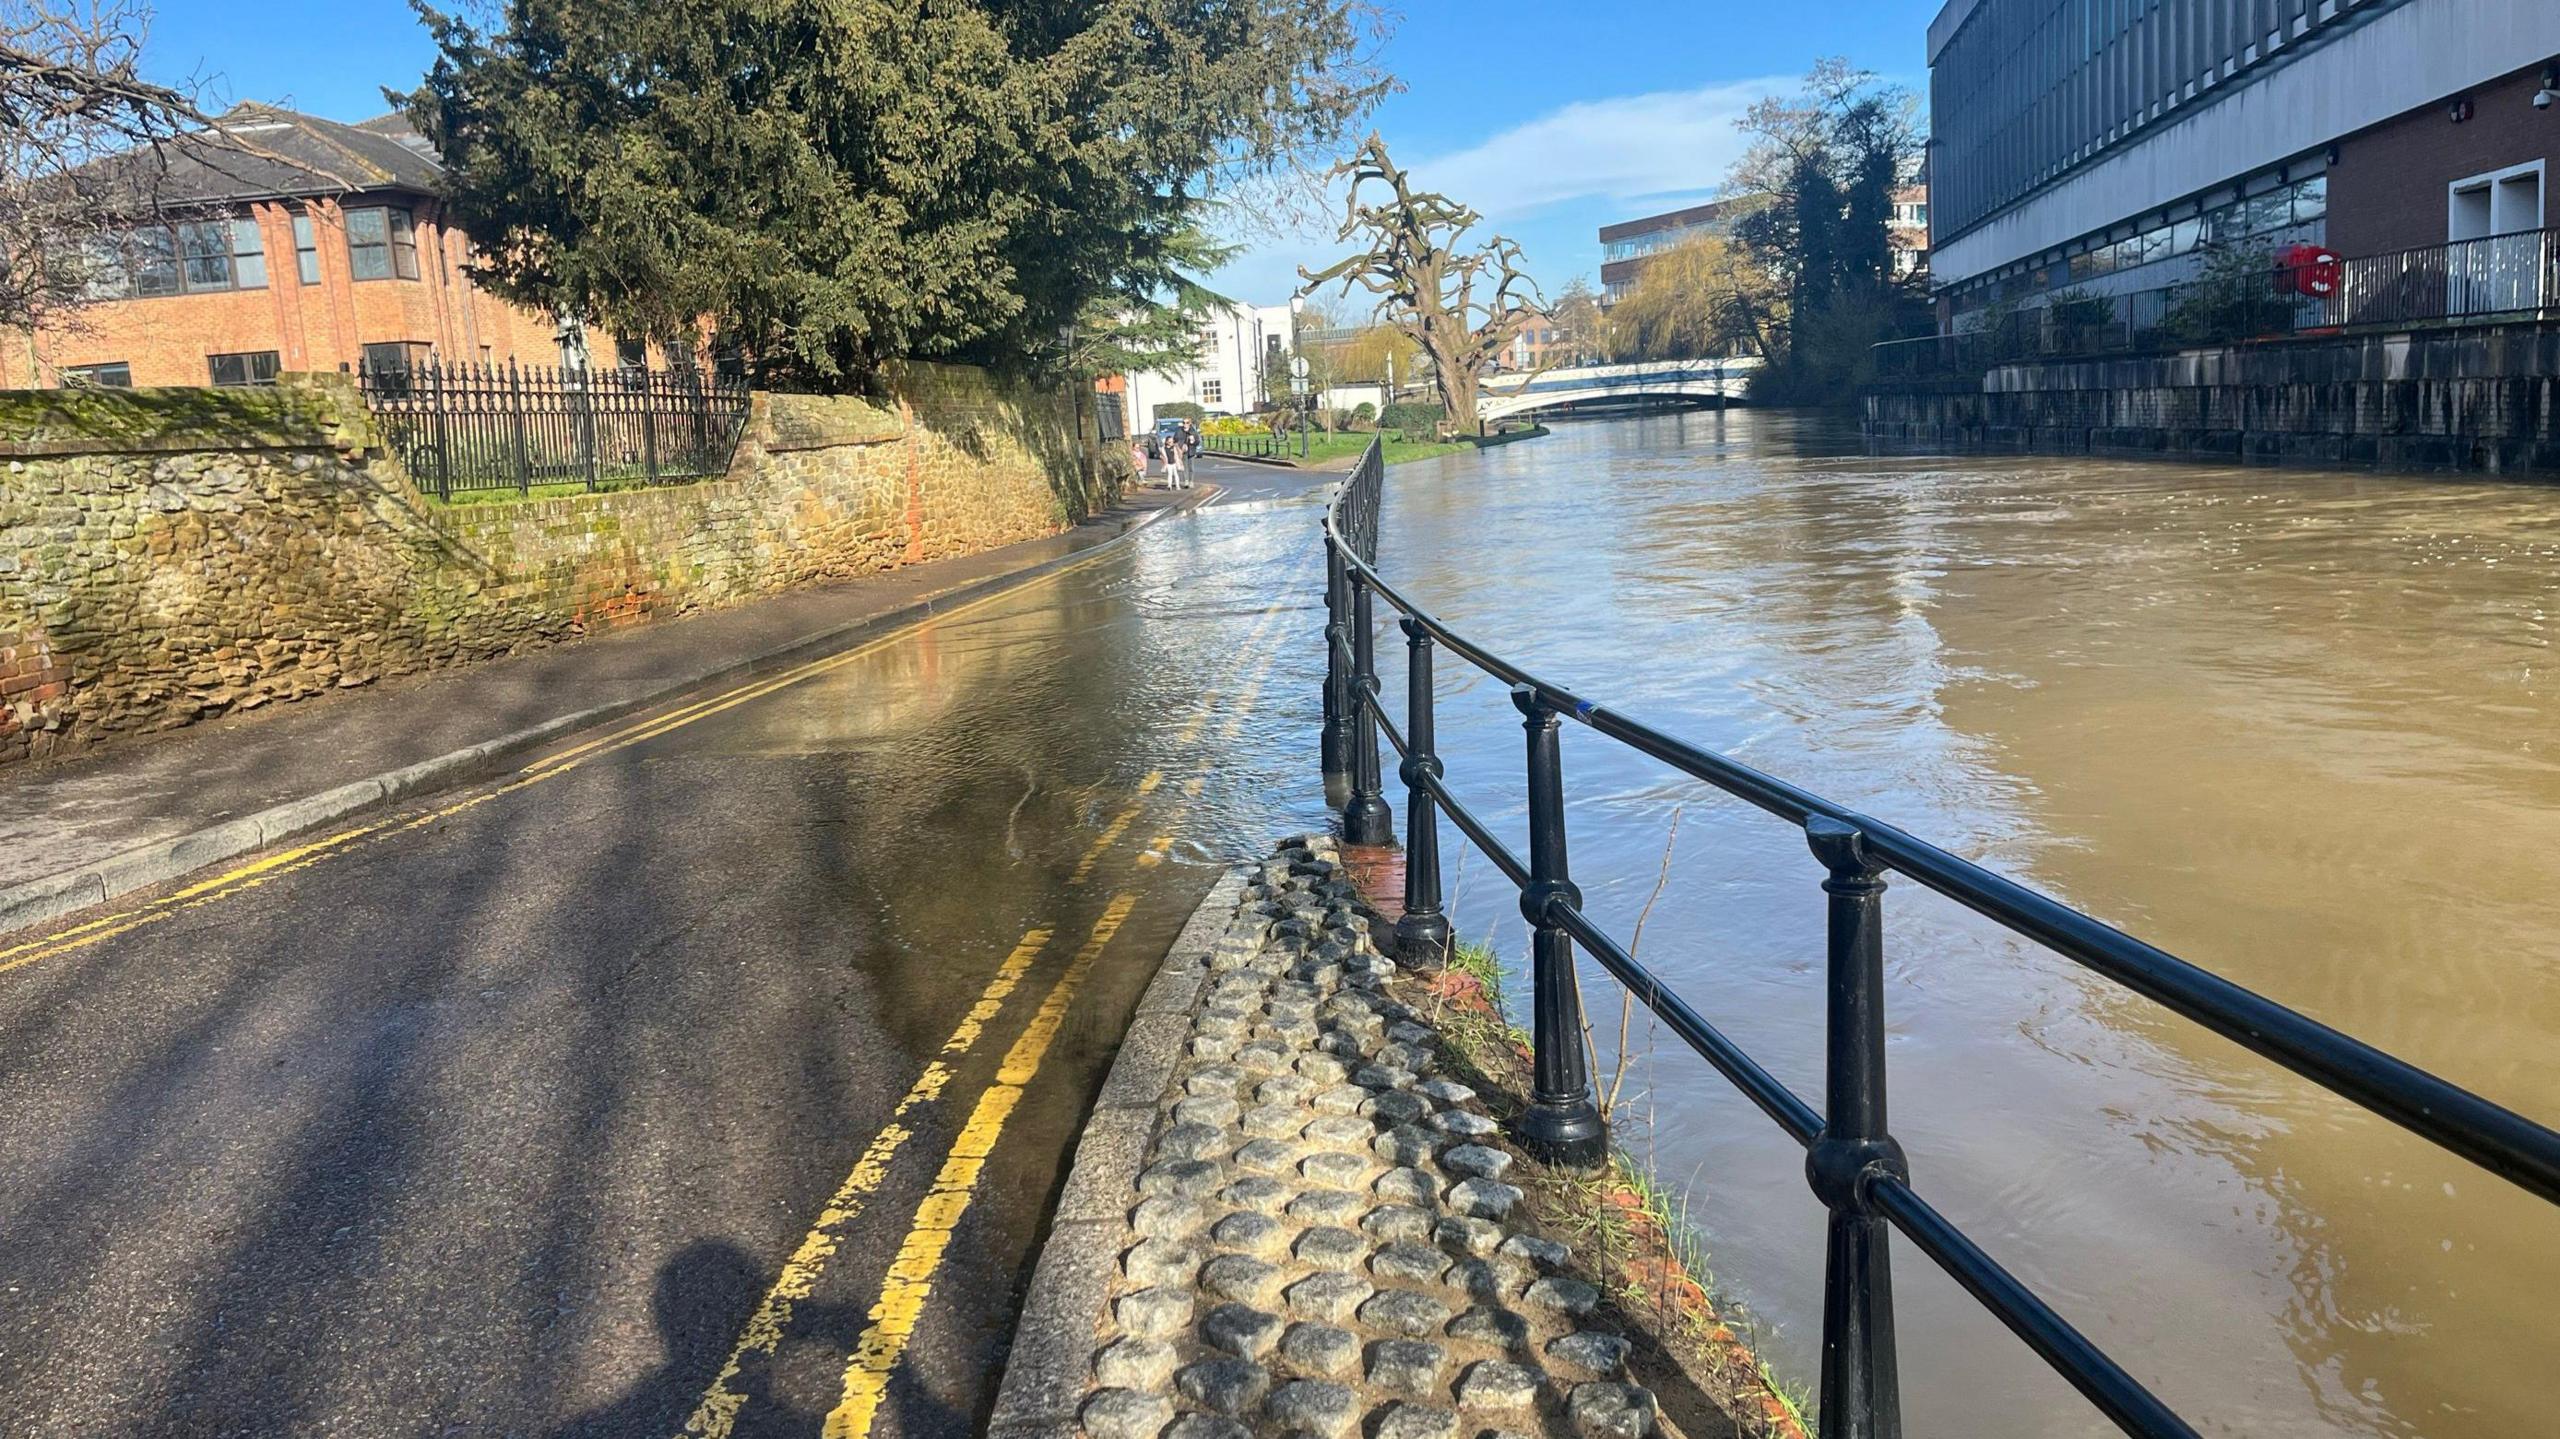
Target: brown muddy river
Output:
[(2294, 726)]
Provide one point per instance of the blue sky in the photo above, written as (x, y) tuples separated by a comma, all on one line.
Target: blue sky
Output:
[(1552, 117)]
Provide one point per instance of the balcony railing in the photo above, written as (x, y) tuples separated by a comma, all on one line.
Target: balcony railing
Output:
[(1853, 1164), (2499, 278)]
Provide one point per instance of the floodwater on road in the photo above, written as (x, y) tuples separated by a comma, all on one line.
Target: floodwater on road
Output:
[(2290, 725), (620, 1095)]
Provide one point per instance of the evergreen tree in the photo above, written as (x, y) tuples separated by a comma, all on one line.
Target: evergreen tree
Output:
[(831, 184), (1829, 158)]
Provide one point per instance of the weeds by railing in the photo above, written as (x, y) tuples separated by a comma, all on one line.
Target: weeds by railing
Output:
[(1854, 1166), (2502, 277), (466, 428)]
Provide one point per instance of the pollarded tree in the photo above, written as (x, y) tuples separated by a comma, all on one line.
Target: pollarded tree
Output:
[(1460, 307)]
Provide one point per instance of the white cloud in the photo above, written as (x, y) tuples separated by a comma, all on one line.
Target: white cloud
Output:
[(1673, 142), (1665, 149)]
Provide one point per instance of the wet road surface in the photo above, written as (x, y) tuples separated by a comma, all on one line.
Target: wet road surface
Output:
[(712, 1075)]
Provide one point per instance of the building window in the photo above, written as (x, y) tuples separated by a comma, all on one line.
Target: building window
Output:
[(397, 356), (1212, 392), (115, 375), (154, 260), (306, 249), (193, 258), (630, 352), (2498, 203), (381, 244), (252, 367), (222, 255)]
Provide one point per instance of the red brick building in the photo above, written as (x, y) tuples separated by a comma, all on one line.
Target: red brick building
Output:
[(327, 249)]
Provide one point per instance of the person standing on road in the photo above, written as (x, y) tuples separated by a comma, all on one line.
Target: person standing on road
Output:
[(1177, 464)]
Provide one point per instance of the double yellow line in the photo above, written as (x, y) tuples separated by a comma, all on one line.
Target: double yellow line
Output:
[(549, 767), (907, 1287)]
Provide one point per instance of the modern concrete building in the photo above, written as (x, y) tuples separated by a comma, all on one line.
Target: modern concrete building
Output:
[(2103, 145), (1625, 246)]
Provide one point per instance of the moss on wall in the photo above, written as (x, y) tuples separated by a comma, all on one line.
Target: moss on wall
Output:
[(169, 555)]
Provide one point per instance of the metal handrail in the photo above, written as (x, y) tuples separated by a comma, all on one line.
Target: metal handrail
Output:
[(1853, 1163), (2487, 280)]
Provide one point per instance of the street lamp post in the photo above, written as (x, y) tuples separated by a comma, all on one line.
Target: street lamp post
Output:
[(1298, 368)]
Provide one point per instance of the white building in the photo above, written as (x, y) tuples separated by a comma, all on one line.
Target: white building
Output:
[(1238, 344)]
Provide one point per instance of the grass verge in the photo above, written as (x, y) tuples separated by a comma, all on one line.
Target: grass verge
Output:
[(1625, 1228)]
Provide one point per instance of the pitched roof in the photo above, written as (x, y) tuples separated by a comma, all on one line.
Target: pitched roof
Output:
[(263, 153)]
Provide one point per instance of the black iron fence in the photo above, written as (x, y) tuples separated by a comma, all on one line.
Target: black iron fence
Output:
[(1852, 1163), (1255, 444), (2499, 278), (465, 428)]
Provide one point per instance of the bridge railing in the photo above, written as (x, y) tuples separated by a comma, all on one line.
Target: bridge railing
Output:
[(1853, 1164)]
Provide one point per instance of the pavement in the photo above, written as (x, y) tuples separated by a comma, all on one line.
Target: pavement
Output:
[(708, 1072), (1282, 1220)]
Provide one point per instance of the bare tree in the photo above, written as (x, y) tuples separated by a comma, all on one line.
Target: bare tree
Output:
[(84, 145), (1461, 307)]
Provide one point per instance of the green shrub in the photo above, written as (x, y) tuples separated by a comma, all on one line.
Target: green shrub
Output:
[(1412, 417), (1179, 410), (2231, 297), (1364, 412)]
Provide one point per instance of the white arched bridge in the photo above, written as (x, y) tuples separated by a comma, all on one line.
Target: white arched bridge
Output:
[(1694, 382)]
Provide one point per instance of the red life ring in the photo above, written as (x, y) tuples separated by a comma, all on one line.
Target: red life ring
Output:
[(2307, 270)]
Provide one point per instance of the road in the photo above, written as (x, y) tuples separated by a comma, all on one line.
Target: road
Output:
[(711, 1075)]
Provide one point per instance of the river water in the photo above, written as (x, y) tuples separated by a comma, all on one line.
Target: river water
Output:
[(2294, 726)]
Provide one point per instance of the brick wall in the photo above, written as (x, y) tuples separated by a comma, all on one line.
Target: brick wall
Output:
[(171, 555), (165, 338), (2388, 190)]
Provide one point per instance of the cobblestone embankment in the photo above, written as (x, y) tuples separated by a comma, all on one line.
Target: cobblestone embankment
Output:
[(1307, 1231)]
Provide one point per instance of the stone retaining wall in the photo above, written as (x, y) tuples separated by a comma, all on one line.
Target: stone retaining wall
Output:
[(171, 555), (2480, 399)]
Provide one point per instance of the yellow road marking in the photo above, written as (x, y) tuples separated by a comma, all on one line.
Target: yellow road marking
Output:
[(909, 1284), (717, 1412), (1119, 825), (257, 872), (106, 927)]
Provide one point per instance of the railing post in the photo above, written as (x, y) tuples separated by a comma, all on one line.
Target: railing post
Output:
[(1561, 1126), (1366, 818), (444, 436), (648, 428), (1422, 931), (1861, 1395), (1337, 641), (524, 460)]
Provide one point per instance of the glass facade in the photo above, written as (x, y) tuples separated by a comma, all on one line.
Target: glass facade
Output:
[(1654, 242), (2278, 210), (2025, 90)]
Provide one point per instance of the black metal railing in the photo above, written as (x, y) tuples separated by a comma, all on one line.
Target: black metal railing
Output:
[(1852, 1162), (1258, 444), (464, 428), (2491, 280)]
